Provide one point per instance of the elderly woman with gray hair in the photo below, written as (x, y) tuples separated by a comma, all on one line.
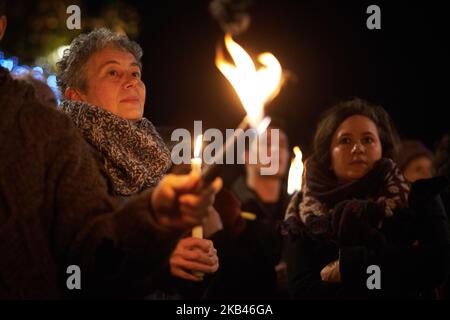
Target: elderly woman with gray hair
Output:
[(100, 79)]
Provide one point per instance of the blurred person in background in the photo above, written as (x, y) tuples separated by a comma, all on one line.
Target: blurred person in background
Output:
[(415, 160)]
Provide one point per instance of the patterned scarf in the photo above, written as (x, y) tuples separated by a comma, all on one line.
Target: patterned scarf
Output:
[(324, 201), (134, 155)]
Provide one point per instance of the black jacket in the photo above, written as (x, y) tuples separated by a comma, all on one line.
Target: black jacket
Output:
[(248, 260), (406, 271)]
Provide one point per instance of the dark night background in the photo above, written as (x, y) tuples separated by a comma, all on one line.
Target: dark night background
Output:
[(325, 44)]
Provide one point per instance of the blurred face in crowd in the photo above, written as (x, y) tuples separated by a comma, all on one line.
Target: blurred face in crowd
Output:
[(280, 148), (113, 78), (355, 147), (283, 153), (418, 168)]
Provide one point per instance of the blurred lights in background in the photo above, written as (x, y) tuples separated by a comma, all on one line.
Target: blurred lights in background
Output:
[(37, 72)]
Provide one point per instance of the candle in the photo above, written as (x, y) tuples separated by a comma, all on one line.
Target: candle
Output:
[(197, 232), (196, 166), (295, 172)]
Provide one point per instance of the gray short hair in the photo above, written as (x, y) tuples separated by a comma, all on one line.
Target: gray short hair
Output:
[(71, 69)]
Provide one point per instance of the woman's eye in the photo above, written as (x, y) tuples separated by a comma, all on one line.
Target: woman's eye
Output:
[(113, 73), (137, 75), (344, 141), (368, 140)]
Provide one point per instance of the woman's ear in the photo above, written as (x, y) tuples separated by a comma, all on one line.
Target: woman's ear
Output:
[(73, 94)]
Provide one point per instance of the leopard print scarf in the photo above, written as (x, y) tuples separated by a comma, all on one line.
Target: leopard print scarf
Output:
[(134, 155)]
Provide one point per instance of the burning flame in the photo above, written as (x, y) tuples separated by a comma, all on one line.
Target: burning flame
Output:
[(198, 146), (254, 87), (295, 172)]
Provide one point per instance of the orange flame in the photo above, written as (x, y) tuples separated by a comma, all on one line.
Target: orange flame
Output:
[(295, 172), (254, 87), (198, 146)]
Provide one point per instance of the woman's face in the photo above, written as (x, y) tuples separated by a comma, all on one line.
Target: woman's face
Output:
[(114, 83), (355, 147)]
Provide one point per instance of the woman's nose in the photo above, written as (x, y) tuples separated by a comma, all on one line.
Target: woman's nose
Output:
[(131, 82), (357, 148)]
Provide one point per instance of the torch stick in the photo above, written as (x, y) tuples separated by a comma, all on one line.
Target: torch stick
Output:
[(212, 171)]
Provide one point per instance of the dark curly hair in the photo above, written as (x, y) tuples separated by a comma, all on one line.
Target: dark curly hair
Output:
[(71, 69), (334, 116)]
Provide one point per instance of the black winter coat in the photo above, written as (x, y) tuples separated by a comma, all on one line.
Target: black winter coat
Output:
[(406, 271)]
